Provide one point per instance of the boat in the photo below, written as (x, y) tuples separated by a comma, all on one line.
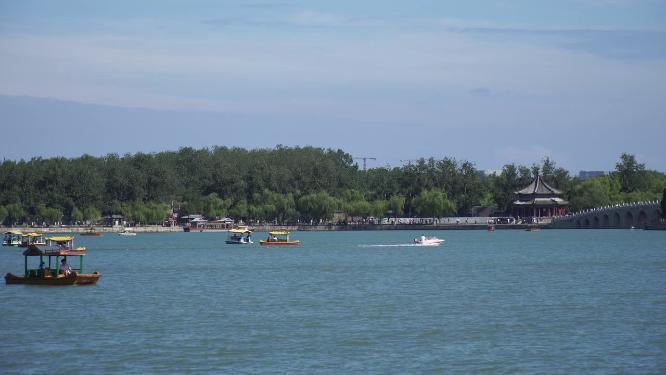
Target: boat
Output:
[(90, 232), (279, 238), (239, 236), (428, 241), (126, 232), (32, 238), (491, 228), (533, 229), (51, 274), (12, 238), (65, 243)]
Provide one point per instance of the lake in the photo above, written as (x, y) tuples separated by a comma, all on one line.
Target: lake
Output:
[(554, 301)]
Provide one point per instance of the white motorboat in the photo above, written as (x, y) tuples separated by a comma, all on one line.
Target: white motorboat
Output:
[(126, 233), (428, 241)]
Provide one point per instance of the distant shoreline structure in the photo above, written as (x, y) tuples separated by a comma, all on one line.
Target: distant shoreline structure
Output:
[(267, 228)]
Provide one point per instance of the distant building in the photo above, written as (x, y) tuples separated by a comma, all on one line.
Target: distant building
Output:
[(584, 175), (539, 199)]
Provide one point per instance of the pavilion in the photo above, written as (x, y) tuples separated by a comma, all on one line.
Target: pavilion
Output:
[(539, 199)]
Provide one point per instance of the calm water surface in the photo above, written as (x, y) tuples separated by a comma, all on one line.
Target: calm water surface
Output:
[(505, 302)]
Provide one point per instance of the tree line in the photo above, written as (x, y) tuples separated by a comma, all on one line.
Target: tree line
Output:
[(285, 184)]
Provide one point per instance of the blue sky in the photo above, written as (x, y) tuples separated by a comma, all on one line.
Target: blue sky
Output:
[(493, 82)]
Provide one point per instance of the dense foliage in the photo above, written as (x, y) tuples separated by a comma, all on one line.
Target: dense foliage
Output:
[(285, 184)]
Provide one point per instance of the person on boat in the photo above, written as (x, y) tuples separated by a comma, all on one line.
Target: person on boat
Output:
[(65, 268)]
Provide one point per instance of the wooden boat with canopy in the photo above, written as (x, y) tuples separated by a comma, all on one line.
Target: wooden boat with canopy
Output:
[(12, 238), (280, 238), (51, 273), (32, 239)]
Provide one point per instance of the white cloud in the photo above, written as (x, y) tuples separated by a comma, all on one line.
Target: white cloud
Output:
[(319, 73)]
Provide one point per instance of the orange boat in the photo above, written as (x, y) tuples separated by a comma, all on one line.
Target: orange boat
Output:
[(51, 274), (279, 239)]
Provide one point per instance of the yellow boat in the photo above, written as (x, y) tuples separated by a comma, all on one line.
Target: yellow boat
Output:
[(32, 238), (279, 238)]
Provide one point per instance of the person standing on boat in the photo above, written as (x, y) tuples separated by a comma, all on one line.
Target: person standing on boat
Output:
[(65, 268)]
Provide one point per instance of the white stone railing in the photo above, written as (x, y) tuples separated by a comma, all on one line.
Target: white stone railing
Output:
[(605, 209)]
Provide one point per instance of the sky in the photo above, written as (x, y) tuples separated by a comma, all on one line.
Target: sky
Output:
[(492, 82)]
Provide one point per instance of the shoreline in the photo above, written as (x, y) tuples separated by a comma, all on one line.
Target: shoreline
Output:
[(267, 228)]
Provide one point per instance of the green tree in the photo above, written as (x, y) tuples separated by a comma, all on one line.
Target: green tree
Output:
[(663, 205), (15, 213), (52, 215), (596, 192), (239, 210), (397, 204), (91, 214), (317, 206), (286, 207), (3, 214), (630, 172), (76, 216), (215, 207), (379, 208), (434, 203)]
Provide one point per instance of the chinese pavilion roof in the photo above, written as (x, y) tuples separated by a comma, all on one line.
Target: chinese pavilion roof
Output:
[(540, 187)]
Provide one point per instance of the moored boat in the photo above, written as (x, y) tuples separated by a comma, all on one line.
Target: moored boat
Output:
[(12, 238), (428, 241), (90, 232), (239, 236), (32, 238), (57, 272), (279, 238)]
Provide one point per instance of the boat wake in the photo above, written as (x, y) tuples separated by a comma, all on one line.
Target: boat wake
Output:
[(396, 245)]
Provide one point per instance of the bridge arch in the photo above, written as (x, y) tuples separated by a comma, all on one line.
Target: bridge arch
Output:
[(606, 221), (595, 222), (617, 221), (642, 219), (586, 223), (628, 220), (654, 217)]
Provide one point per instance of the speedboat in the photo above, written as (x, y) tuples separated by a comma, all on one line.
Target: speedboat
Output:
[(126, 233), (428, 241)]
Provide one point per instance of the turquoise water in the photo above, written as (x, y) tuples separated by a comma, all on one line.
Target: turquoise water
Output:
[(505, 302)]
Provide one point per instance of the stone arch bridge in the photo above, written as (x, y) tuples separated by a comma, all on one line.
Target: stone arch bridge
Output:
[(624, 215)]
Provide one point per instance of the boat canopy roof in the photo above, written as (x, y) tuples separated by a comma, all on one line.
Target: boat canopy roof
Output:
[(240, 230), (32, 234), (279, 233), (14, 232), (33, 251), (61, 239)]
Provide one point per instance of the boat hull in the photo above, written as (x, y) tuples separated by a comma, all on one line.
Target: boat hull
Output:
[(78, 279), (279, 243), (232, 242)]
